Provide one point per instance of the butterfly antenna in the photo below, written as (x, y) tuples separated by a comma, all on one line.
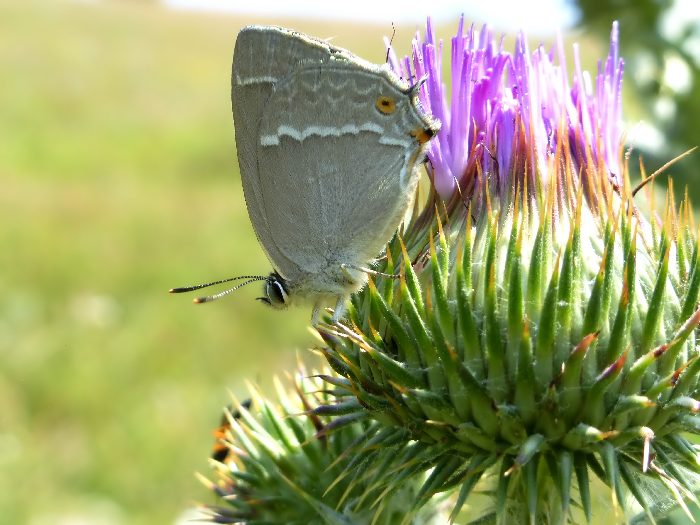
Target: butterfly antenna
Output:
[(414, 89), (391, 41), (183, 289), (209, 298)]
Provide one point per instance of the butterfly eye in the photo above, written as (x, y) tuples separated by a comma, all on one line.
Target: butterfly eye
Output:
[(385, 105), (275, 291)]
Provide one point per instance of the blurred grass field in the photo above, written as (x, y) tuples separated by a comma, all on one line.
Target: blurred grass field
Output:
[(119, 180)]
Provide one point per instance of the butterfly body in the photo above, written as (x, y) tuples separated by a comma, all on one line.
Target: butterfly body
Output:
[(328, 145)]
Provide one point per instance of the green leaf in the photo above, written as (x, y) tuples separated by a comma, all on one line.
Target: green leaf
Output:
[(412, 284), (594, 406), (408, 347), (525, 391), (472, 354), (609, 456), (636, 490), (396, 371), (690, 300), (601, 286), (443, 469), (544, 342), (539, 268), (531, 493), (570, 386), (656, 305), (428, 353), (493, 343), (439, 284), (565, 462), (530, 447), (581, 469), (620, 330), (455, 388), (668, 360), (515, 304), (566, 291), (473, 474)]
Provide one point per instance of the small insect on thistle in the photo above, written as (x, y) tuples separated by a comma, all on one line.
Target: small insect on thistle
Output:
[(220, 452), (328, 148)]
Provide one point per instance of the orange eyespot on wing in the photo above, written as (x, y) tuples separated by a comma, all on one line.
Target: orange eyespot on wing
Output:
[(385, 105)]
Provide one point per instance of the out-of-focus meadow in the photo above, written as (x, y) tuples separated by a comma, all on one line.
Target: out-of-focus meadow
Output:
[(119, 180)]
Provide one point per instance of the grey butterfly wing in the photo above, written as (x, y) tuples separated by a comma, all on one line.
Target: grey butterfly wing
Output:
[(263, 55), (348, 165)]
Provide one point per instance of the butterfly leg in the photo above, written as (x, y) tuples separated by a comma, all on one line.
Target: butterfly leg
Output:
[(315, 313), (349, 277), (339, 309), (345, 268)]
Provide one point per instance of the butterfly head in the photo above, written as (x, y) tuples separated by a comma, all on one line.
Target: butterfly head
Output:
[(276, 291)]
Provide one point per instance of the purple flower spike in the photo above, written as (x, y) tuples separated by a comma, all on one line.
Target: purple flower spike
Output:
[(511, 113)]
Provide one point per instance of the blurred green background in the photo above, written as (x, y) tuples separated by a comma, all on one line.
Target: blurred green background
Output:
[(118, 181)]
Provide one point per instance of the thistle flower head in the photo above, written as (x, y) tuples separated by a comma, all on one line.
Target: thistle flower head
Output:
[(510, 114), (542, 332)]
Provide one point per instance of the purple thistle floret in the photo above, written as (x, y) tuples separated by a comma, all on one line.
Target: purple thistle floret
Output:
[(511, 114)]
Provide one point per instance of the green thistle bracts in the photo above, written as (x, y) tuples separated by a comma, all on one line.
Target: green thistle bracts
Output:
[(535, 356), (282, 468)]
